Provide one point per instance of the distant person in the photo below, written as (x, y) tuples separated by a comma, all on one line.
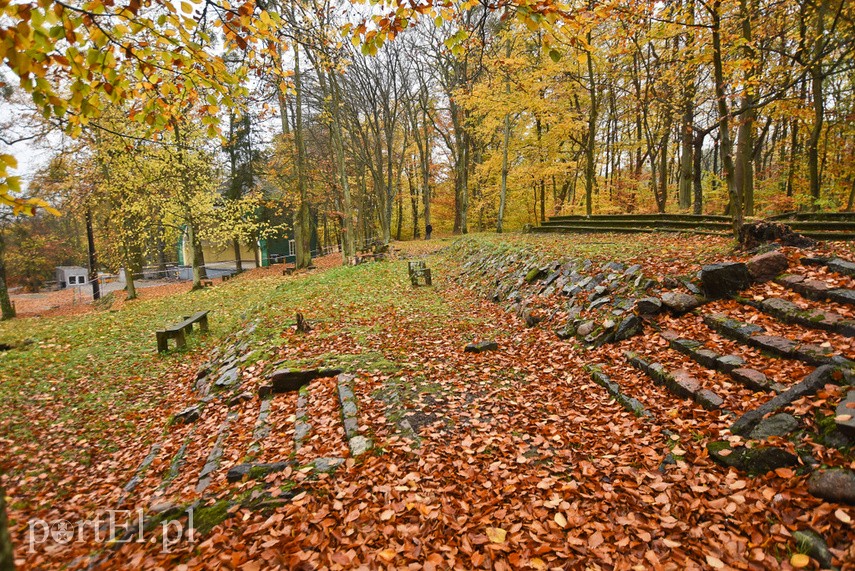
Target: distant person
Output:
[(428, 230)]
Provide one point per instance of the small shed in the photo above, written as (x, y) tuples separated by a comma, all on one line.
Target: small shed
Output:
[(71, 276)]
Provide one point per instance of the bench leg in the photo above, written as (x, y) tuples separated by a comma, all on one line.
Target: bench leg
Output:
[(203, 324), (428, 278), (162, 343), (189, 327), (180, 340)]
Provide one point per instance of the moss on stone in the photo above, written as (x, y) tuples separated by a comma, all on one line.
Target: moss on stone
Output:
[(207, 518)]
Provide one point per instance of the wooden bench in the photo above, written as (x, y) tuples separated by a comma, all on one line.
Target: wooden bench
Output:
[(178, 330), (418, 272)]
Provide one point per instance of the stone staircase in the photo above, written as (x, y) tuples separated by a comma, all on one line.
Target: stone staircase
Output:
[(749, 357), (819, 226), (239, 430)]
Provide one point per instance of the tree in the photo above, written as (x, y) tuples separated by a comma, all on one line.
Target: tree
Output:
[(7, 554)]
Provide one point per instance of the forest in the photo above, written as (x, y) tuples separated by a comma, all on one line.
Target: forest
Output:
[(283, 291), (343, 123)]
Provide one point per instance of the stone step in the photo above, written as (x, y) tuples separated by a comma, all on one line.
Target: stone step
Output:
[(212, 464), (357, 443), (139, 474), (287, 380), (754, 335), (845, 415), (261, 430), (680, 382), (631, 404), (302, 428), (816, 290), (842, 267), (733, 365), (809, 385), (789, 312), (179, 459)]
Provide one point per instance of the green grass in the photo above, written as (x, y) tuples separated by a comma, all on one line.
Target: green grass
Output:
[(88, 365), (94, 378)]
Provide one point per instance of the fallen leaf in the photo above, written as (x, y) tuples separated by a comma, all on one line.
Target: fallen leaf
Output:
[(387, 555), (496, 534), (799, 560)]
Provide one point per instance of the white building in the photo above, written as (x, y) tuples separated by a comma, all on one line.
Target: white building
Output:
[(67, 276)]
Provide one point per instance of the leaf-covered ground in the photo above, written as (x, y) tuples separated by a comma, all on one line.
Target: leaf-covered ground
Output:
[(518, 459)]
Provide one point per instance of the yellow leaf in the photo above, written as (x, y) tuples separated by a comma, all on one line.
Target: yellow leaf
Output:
[(537, 563), (842, 516), (386, 555), (560, 520), (714, 562), (496, 534), (799, 560)]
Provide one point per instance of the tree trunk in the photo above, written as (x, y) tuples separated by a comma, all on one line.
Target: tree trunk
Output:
[(7, 311), (506, 136), (400, 216), (818, 106), (662, 195), (414, 203), (302, 224), (238, 261), (93, 258), (697, 178), (130, 267), (726, 145), (348, 240), (195, 251), (744, 167), (503, 190), (851, 202), (684, 196), (591, 139), (7, 553)]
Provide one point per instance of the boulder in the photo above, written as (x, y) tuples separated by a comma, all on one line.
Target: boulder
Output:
[(648, 305), (628, 327), (834, 485), (228, 378), (679, 303), (841, 266), (239, 398), (481, 347), (728, 363), (808, 386), (811, 543), (754, 461), (254, 471), (188, 415), (585, 328), (777, 425), (764, 267), (286, 380), (723, 280), (533, 274), (845, 415), (754, 379)]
